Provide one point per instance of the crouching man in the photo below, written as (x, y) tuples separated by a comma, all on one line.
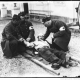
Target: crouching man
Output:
[(12, 41), (61, 38)]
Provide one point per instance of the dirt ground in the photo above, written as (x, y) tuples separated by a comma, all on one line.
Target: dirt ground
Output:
[(22, 67)]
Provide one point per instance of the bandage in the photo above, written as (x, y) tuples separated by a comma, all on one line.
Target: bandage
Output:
[(30, 27), (62, 28)]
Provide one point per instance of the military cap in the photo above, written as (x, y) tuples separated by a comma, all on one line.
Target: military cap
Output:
[(16, 17), (46, 19), (21, 14)]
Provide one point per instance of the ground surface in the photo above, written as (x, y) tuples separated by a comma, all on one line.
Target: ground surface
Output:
[(21, 67)]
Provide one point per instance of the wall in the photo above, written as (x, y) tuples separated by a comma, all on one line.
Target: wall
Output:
[(64, 10), (39, 7), (57, 8)]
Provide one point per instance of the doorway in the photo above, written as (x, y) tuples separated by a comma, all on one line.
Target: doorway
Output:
[(26, 10)]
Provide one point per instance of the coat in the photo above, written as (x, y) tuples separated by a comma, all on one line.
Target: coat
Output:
[(10, 33), (25, 30), (52, 55), (61, 38)]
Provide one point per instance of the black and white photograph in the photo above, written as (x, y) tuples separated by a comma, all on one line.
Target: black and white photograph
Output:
[(40, 39)]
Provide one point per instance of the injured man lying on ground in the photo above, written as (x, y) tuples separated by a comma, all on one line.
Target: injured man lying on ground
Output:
[(55, 57)]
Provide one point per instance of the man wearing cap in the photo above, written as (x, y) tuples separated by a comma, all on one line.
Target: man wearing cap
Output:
[(61, 36), (26, 28), (11, 42)]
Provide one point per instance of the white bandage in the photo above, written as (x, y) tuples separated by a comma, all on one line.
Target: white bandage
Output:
[(30, 27), (62, 28), (27, 43)]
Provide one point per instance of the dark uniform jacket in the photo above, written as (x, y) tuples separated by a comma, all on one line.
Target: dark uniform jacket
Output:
[(25, 29), (10, 32), (61, 38)]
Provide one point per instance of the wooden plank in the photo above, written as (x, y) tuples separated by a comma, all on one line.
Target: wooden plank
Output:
[(42, 65), (46, 67)]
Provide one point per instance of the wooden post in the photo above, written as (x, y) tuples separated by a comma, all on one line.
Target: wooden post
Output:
[(21, 7), (3, 11), (15, 10), (78, 14)]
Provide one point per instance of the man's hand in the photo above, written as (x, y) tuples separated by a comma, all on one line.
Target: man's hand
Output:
[(21, 39), (31, 45), (28, 44), (28, 39)]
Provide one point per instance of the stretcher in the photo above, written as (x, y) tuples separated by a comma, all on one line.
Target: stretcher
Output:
[(47, 65), (42, 63)]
